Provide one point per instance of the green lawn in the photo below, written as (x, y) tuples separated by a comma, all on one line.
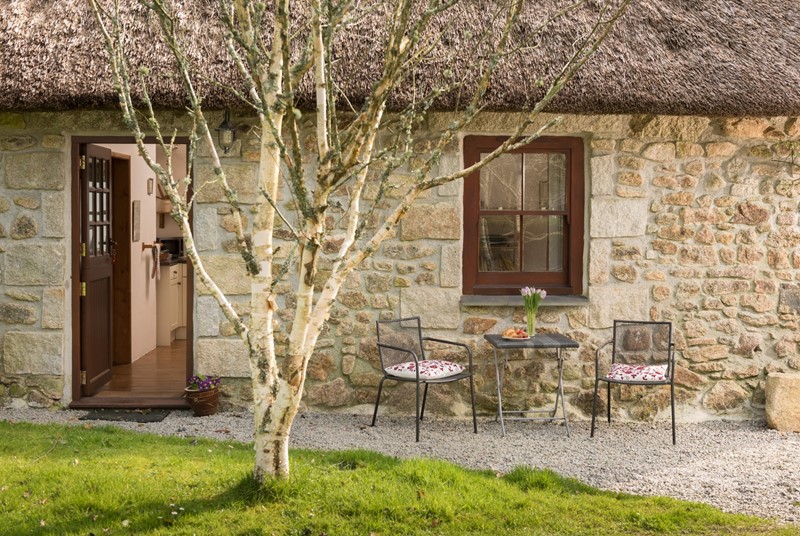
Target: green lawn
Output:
[(100, 480)]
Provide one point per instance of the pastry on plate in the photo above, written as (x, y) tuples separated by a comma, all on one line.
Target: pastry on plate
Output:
[(515, 333)]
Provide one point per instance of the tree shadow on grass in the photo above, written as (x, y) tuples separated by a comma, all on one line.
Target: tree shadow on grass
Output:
[(171, 515)]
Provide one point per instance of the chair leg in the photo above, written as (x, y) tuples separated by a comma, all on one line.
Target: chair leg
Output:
[(608, 396), (424, 398), (672, 399), (375, 414), (594, 405), (472, 398), (416, 413)]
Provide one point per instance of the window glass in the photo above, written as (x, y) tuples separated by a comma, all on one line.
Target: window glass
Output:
[(501, 183), (499, 243), (542, 244), (545, 181)]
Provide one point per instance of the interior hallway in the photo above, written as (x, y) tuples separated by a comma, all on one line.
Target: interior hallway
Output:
[(154, 380)]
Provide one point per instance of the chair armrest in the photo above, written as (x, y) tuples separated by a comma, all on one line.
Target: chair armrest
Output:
[(397, 349), (453, 343), (597, 359)]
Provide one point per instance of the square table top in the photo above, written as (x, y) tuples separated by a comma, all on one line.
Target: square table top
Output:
[(540, 340)]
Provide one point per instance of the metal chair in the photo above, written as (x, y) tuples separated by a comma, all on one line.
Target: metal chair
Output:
[(402, 354), (642, 353)]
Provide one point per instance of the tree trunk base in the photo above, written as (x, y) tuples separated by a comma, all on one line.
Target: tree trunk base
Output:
[(272, 458)]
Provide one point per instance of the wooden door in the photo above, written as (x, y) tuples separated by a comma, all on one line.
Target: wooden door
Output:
[(97, 257)]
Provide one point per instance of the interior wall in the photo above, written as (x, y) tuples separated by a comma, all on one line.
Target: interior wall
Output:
[(143, 286), (170, 228)]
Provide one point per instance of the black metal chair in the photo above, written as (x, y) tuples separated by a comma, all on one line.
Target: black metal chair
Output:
[(402, 354), (642, 353)]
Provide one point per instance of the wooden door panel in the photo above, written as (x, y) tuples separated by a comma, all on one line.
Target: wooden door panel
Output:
[(96, 269), (98, 343)]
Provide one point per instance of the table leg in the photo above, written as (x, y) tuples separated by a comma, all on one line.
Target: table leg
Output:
[(499, 375), (561, 390)]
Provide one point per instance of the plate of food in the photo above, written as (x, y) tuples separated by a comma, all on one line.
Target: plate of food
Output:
[(515, 334)]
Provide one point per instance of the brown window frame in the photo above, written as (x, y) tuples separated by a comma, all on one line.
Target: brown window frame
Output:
[(568, 282)]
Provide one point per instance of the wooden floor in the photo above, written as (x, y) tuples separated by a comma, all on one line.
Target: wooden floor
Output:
[(155, 380)]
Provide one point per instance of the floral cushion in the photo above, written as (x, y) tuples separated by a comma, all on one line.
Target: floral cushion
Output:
[(430, 369), (638, 373)]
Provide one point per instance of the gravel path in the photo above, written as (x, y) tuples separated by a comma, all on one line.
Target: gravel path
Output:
[(736, 466)]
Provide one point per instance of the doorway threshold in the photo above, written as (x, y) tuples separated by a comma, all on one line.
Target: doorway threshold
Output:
[(130, 402)]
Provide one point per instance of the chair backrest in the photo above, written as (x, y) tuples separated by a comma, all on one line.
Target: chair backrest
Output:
[(405, 333), (642, 343)]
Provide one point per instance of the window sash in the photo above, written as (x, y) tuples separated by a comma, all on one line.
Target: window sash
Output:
[(566, 281)]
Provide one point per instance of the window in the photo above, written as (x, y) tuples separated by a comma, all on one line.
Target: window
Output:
[(523, 217)]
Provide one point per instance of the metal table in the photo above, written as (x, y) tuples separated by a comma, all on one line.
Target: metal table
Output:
[(540, 340)]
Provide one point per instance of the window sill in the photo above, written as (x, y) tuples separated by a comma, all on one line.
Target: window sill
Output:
[(516, 301)]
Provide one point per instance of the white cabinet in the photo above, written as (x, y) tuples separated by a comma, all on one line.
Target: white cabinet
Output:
[(171, 304), (180, 333)]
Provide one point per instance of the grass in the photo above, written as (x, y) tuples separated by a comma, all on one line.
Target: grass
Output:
[(101, 480)]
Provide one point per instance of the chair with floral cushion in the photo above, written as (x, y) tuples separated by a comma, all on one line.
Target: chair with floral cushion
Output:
[(401, 348), (642, 353)]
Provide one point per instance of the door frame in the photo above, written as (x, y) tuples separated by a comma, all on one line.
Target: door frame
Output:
[(121, 230), (75, 247)]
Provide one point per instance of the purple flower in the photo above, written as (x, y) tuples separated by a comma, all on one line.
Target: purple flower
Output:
[(532, 298), (202, 382)]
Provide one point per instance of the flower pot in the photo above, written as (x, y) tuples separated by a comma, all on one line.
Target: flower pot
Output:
[(203, 402)]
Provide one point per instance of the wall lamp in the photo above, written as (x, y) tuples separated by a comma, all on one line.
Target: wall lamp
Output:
[(226, 133)]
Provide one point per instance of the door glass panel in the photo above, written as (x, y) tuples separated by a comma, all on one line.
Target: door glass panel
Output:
[(499, 243), (543, 244), (91, 206), (501, 183), (545, 181), (104, 198), (91, 241)]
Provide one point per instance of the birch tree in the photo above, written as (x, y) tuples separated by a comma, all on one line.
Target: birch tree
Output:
[(274, 48)]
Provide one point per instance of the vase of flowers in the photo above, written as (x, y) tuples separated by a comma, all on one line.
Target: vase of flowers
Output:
[(533, 298), (202, 392)]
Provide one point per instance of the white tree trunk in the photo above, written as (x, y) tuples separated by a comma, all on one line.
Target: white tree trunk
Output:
[(344, 159), (274, 416)]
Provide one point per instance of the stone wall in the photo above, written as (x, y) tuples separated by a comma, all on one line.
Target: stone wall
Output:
[(33, 263), (689, 219)]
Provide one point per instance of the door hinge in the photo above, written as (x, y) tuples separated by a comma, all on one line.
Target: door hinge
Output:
[(83, 377), (83, 162), (83, 249), (83, 288)]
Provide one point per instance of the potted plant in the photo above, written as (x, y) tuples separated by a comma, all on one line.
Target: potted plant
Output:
[(202, 392)]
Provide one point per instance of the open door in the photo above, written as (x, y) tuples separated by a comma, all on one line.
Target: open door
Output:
[(96, 267)]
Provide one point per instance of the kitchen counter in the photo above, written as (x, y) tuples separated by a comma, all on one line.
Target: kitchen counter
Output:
[(173, 261)]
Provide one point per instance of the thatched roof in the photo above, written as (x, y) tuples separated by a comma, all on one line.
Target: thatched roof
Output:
[(710, 57)]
